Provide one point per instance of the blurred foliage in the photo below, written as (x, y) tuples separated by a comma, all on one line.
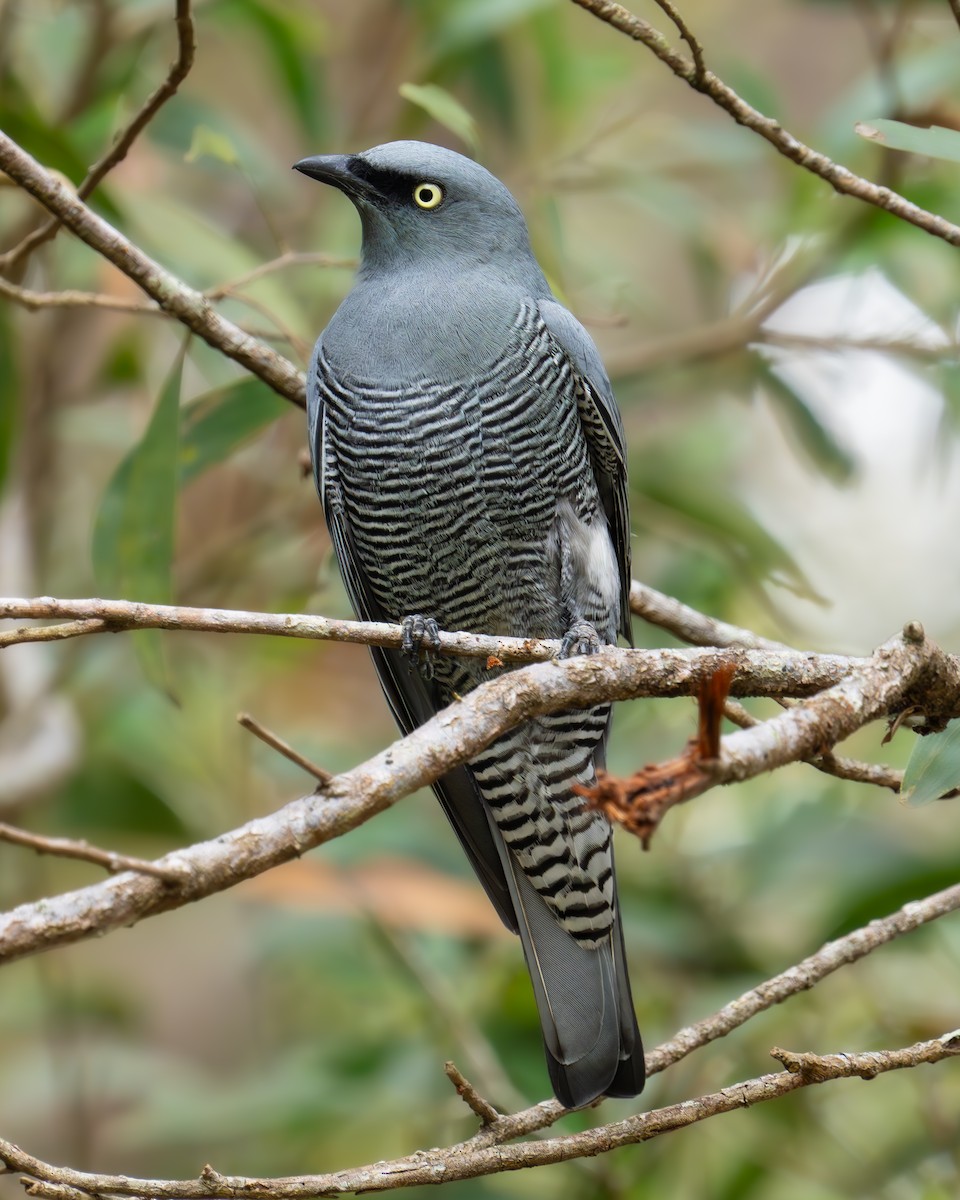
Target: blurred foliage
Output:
[(934, 767), (299, 1022)]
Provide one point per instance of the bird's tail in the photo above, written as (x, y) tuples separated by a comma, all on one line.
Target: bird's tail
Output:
[(590, 1032)]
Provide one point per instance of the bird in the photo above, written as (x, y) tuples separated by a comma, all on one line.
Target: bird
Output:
[(470, 460)]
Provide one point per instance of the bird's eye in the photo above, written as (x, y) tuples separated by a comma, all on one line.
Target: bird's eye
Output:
[(428, 195)]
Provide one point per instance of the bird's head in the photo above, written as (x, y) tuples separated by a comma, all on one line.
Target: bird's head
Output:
[(422, 206)]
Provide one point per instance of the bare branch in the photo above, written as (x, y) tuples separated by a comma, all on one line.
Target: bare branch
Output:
[(35, 301), (682, 28), (277, 743), (921, 351), (120, 615), (872, 687), (292, 258), (189, 306), (955, 9), (839, 177), (179, 69), (855, 771), (684, 622), (850, 769), (67, 848), (52, 633), (816, 1068), (804, 976), (468, 1162), (470, 1096)]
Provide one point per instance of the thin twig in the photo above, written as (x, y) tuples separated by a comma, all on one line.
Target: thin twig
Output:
[(899, 346), (52, 633), (282, 747), (683, 29), (955, 9), (855, 771), (840, 178), (851, 769), (35, 301), (68, 848), (803, 976), (179, 69), (815, 1068), (470, 1096), (291, 258)]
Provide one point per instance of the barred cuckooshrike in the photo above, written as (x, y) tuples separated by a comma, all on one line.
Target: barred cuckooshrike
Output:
[(470, 459)]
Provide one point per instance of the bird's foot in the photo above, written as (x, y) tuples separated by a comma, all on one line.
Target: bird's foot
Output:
[(580, 638), (421, 641)]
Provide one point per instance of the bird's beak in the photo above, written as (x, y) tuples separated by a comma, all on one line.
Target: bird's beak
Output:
[(335, 170)]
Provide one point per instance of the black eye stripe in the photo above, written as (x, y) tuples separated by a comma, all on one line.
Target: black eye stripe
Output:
[(392, 185)]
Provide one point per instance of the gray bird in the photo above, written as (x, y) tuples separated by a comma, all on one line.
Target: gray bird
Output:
[(470, 459)]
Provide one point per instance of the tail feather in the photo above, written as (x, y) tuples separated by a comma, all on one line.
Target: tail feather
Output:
[(583, 997)]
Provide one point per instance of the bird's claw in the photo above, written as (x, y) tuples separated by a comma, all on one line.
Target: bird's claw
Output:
[(580, 638), (421, 641)]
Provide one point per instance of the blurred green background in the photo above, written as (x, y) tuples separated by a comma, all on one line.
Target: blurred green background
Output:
[(796, 478)]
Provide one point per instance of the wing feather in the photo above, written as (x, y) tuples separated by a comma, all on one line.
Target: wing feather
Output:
[(603, 428)]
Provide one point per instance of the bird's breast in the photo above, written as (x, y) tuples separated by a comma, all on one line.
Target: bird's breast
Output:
[(451, 488)]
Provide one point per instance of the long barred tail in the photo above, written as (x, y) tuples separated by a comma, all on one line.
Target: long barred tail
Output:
[(583, 997), (558, 862), (563, 849)]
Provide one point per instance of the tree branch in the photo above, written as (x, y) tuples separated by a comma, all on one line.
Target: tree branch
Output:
[(190, 307), (870, 688), (67, 848), (839, 177), (466, 1162), (115, 616), (685, 622), (803, 976), (69, 298)]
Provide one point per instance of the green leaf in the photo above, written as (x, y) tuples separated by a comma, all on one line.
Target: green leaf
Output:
[(934, 767), (934, 141), (210, 143), (215, 424), (133, 536), (445, 109)]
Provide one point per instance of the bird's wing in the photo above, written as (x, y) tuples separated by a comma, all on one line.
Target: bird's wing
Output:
[(411, 699), (603, 428)]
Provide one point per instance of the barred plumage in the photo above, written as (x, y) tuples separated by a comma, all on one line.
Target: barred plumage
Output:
[(469, 456)]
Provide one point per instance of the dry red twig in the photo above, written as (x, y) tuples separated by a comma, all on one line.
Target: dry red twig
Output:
[(640, 803)]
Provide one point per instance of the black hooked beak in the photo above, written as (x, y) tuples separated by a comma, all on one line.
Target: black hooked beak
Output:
[(335, 169)]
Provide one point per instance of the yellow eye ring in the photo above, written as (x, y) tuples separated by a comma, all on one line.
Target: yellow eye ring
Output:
[(428, 195)]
